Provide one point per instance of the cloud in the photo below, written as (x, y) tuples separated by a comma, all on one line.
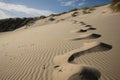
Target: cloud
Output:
[(67, 3), (72, 2), (4, 15), (81, 4), (22, 9)]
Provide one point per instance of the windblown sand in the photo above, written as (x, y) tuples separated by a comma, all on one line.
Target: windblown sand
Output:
[(64, 49)]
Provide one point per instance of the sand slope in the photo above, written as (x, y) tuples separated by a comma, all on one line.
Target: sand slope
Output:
[(55, 50)]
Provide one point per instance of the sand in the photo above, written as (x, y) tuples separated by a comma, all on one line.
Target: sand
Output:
[(59, 50)]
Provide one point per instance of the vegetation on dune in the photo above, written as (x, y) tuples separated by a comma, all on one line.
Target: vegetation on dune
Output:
[(87, 10), (51, 19), (53, 15), (74, 14), (61, 13), (11, 24), (75, 9), (115, 5), (42, 17)]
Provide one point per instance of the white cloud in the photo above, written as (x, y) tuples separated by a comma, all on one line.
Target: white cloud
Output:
[(67, 3), (81, 4), (72, 2), (3, 15), (24, 9)]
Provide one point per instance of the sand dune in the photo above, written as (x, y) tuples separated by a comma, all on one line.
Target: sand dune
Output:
[(55, 50)]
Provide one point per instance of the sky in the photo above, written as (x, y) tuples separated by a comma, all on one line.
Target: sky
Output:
[(33, 8)]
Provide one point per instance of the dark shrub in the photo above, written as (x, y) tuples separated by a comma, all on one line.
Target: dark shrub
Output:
[(82, 30), (51, 19), (92, 8), (74, 14), (86, 12), (115, 5), (54, 15), (42, 17), (61, 13), (11, 24), (85, 8), (75, 9)]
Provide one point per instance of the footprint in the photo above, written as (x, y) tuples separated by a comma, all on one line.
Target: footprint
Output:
[(74, 21), (72, 71), (82, 23), (88, 36), (88, 25), (88, 47), (98, 48), (85, 30), (87, 73), (76, 72), (56, 66), (91, 28)]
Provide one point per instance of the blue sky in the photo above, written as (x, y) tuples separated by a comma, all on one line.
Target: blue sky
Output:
[(27, 8)]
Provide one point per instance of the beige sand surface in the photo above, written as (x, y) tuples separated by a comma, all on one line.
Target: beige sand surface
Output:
[(48, 50)]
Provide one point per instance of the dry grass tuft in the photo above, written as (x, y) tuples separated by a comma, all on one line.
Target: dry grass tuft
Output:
[(51, 19), (115, 5), (74, 14)]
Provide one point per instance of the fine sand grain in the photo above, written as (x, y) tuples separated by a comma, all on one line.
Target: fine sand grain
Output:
[(84, 47)]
